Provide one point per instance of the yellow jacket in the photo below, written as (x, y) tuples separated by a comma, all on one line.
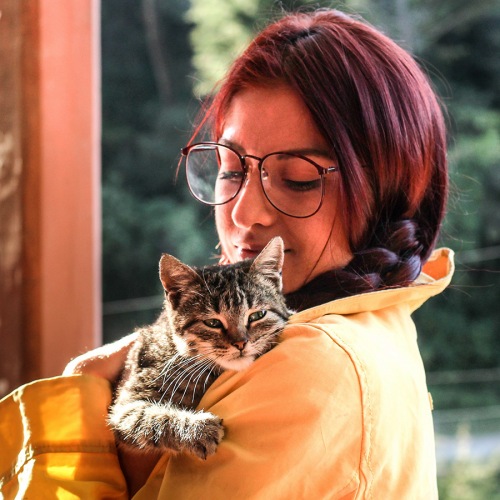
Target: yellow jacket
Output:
[(338, 410)]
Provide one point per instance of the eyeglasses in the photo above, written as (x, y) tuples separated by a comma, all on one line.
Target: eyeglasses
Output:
[(294, 184)]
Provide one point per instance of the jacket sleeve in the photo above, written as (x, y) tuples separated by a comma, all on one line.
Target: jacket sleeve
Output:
[(293, 424), (55, 443)]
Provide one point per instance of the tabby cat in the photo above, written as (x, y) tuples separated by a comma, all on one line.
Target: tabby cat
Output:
[(214, 318)]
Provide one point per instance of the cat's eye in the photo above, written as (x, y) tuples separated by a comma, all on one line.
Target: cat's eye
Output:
[(256, 315), (213, 323)]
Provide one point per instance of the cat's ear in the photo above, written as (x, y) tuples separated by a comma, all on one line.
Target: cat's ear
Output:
[(175, 276), (270, 260)]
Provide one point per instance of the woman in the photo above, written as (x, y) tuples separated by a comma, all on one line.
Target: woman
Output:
[(339, 409)]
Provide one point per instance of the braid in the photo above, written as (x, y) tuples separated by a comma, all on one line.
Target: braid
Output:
[(394, 258)]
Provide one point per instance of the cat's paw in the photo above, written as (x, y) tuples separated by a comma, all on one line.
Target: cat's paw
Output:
[(205, 432)]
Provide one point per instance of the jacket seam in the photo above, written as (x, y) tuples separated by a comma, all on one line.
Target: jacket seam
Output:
[(30, 452), (365, 390)]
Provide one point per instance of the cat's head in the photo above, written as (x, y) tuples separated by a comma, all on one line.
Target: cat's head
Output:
[(229, 314)]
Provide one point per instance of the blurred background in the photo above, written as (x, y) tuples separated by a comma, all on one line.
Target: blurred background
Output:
[(160, 56)]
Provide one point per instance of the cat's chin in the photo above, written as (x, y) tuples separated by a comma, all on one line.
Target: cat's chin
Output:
[(237, 364)]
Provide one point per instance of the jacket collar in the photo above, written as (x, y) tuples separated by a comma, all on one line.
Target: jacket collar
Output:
[(435, 277)]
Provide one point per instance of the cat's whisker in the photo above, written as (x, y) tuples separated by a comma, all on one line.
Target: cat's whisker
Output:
[(172, 369), (201, 369), (196, 366), (172, 375), (179, 366), (177, 375), (210, 366), (167, 366), (181, 375), (214, 366)]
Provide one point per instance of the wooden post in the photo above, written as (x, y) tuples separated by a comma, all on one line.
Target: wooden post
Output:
[(10, 197), (49, 186)]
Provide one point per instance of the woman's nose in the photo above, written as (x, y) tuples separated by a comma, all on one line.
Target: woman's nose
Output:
[(251, 205)]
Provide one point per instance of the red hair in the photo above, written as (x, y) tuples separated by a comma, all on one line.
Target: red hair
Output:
[(381, 118)]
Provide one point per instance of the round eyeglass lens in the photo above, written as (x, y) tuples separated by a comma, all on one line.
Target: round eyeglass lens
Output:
[(214, 173), (292, 184)]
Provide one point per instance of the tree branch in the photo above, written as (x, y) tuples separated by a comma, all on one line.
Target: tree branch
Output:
[(156, 52)]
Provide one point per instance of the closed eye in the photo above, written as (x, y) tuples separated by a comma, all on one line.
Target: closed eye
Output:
[(213, 323), (293, 185), (229, 175), (256, 316)]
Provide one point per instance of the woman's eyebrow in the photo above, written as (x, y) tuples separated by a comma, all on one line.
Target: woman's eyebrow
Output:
[(231, 144), (309, 151)]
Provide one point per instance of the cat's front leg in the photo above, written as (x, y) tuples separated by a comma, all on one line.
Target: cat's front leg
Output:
[(151, 426)]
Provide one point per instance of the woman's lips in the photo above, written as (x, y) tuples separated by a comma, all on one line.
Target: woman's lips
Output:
[(250, 252)]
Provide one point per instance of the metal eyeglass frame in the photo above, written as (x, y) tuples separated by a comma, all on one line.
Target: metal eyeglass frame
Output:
[(322, 171)]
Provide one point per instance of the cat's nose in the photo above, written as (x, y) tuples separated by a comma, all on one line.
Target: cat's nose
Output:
[(240, 345)]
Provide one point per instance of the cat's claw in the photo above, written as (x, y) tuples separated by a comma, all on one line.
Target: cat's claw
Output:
[(207, 433)]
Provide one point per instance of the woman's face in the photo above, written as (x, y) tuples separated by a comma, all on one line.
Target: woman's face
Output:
[(261, 121)]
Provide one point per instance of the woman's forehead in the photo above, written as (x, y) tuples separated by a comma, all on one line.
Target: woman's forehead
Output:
[(270, 119)]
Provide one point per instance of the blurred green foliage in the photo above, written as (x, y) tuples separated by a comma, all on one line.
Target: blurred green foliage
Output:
[(146, 211), (133, 246), (471, 481)]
